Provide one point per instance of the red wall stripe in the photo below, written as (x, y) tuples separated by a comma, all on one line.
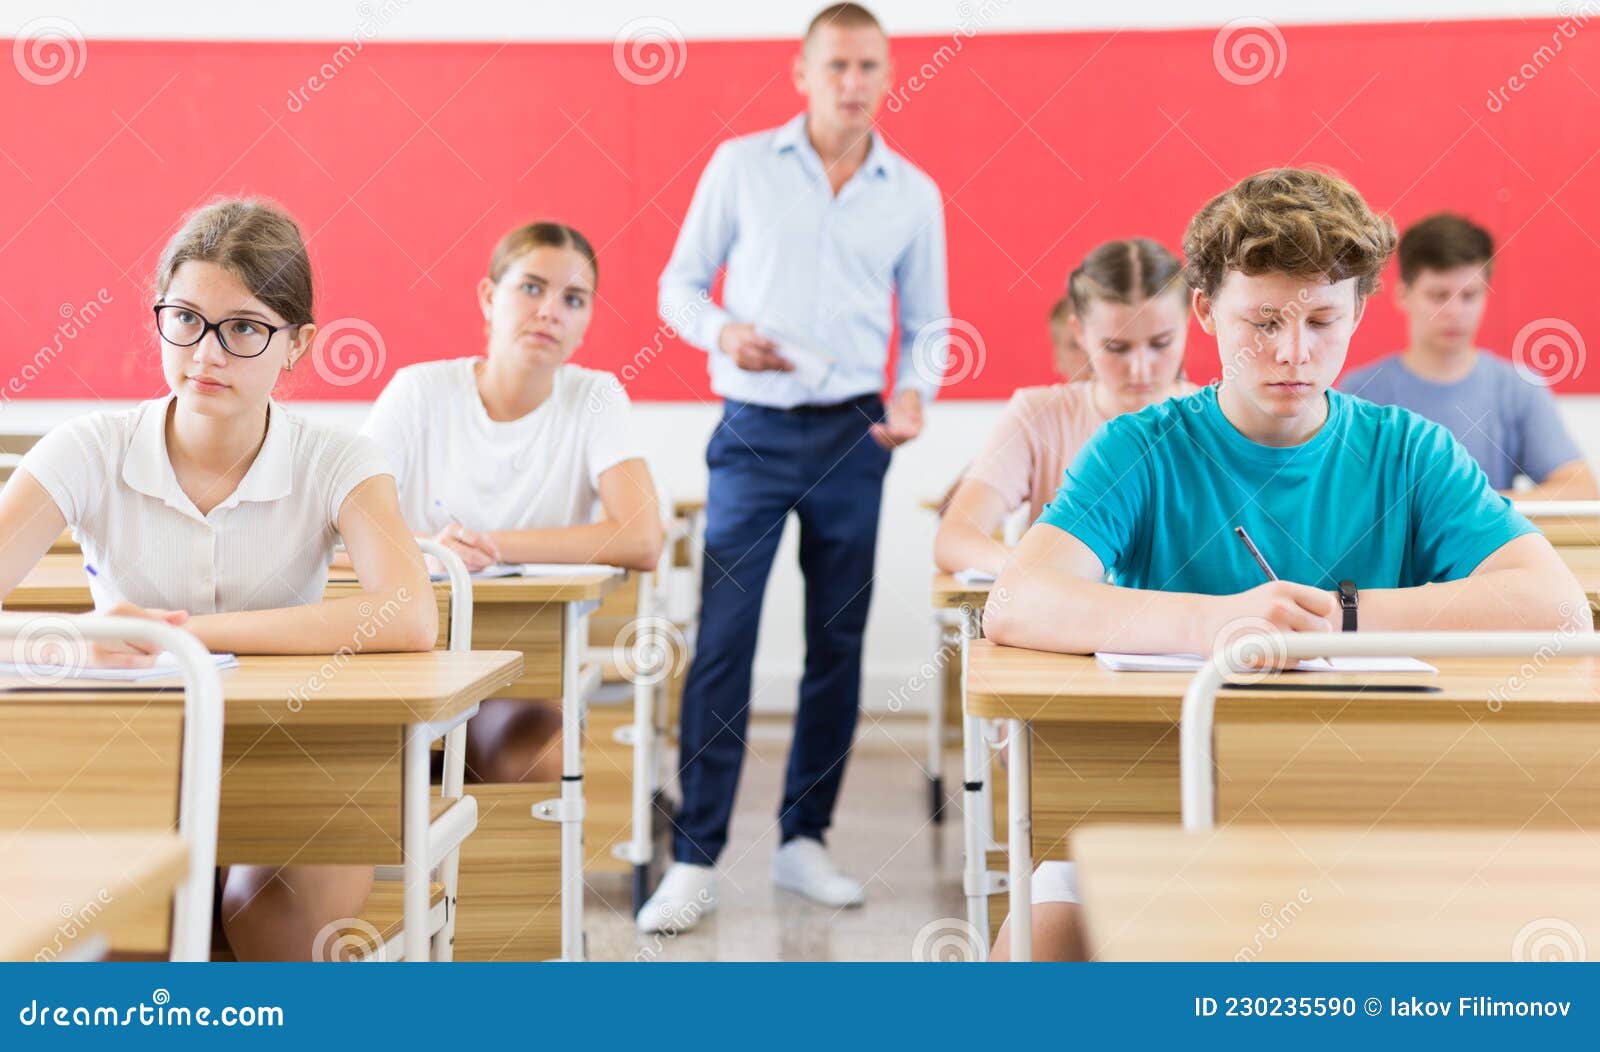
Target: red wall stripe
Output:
[(413, 158)]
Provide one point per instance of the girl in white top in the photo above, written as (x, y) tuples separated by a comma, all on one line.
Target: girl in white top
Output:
[(503, 458), (215, 510), (1130, 314)]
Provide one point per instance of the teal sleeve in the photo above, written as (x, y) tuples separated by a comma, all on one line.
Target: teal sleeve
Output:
[(1458, 520), (1105, 492)]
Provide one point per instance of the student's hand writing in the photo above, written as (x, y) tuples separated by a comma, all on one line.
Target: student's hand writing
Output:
[(477, 550), (750, 350), (130, 653), (1281, 606)]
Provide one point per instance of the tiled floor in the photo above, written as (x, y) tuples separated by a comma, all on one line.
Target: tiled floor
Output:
[(881, 835)]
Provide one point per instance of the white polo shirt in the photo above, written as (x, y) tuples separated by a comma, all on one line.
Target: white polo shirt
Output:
[(266, 546), (540, 471)]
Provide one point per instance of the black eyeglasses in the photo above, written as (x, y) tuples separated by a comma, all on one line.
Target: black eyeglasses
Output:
[(240, 337)]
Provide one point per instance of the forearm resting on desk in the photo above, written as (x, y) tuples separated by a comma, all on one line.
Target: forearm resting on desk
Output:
[(636, 546), (1513, 600), (373, 622), (967, 527)]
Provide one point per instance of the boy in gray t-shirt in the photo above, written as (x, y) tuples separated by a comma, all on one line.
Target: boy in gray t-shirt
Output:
[(1505, 416)]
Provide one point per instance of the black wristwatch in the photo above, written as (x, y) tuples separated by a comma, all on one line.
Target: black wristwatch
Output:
[(1347, 602)]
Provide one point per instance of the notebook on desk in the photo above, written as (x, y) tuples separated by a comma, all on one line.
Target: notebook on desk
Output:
[(1115, 662), (166, 666)]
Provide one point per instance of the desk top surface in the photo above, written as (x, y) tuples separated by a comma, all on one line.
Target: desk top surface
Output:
[(1158, 893), (55, 887), (345, 689), (60, 580), (1012, 683)]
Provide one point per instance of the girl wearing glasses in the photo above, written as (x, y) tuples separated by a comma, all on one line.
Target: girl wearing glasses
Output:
[(216, 510), (504, 457)]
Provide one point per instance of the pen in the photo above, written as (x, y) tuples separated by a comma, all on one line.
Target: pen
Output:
[(92, 572), (437, 503), (1255, 553)]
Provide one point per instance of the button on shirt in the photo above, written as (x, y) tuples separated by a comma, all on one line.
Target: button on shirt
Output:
[(266, 546), (819, 270)]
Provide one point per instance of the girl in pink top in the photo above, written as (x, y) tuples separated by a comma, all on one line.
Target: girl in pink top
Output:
[(1130, 313)]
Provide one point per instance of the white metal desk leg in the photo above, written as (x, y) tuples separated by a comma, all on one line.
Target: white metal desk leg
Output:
[(936, 727), (574, 636), (455, 742), (645, 686), (975, 870), (1020, 837), (414, 841)]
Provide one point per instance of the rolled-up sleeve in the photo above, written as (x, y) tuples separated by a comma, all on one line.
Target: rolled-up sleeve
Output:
[(925, 322), (684, 300)]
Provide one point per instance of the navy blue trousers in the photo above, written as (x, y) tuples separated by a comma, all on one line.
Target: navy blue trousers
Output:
[(822, 464)]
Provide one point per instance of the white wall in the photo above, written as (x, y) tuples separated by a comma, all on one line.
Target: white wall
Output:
[(698, 19)]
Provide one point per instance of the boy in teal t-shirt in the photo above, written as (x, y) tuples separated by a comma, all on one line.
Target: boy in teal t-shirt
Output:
[(1373, 518), (1333, 490)]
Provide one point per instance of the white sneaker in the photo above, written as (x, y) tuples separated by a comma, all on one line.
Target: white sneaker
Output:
[(803, 866), (686, 893)]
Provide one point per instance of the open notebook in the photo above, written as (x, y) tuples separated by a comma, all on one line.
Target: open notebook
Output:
[(536, 570), (1193, 663), (166, 666)]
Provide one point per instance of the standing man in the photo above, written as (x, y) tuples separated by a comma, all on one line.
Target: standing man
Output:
[(821, 227)]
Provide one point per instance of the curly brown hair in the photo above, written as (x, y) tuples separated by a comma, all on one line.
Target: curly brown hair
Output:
[(1288, 220)]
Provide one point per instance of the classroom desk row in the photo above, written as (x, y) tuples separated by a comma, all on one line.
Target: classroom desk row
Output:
[(1088, 745), (317, 765), (1116, 759), (544, 620)]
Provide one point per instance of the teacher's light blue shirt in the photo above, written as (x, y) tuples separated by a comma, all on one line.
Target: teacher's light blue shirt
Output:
[(820, 270)]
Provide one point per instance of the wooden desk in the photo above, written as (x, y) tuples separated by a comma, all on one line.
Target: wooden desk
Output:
[(1325, 894), (62, 894), (321, 756), (1570, 532), (1499, 745), (1585, 566), (543, 619)]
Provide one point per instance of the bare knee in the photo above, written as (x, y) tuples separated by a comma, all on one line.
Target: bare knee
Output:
[(293, 913), (1058, 934)]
